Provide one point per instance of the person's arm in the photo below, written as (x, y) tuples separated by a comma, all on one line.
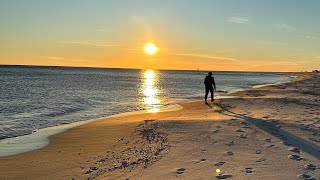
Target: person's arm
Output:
[(214, 84)]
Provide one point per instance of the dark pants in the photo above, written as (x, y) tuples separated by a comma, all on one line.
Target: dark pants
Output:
[(207, 92)]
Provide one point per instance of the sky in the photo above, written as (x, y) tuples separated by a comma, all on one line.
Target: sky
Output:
[(220, 35)]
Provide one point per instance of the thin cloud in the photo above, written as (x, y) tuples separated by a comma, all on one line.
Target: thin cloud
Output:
[(301, 34), (204, 56), (311, 36), (138, 19), (273, 43), (286, 27), (59, 58), (227, 63), (90, 43), (274, 65), (239, 19)]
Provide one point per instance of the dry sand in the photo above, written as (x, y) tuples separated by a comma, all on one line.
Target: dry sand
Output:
[(271, 132)]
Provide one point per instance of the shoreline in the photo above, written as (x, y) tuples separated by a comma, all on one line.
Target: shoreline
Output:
[(89, 149), (40, 139)]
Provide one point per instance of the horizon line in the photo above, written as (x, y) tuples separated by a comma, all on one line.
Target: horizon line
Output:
[(93, 67)]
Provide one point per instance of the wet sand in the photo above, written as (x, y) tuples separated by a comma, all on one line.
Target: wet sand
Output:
[(271, 132)]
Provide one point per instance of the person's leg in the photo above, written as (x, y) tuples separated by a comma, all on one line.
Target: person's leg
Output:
[(211, 92), (206, 94)]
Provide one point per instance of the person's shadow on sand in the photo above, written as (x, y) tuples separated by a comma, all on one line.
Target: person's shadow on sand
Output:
[(272, 129)]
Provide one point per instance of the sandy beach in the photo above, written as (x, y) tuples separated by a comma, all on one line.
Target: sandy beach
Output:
[(270, 132)]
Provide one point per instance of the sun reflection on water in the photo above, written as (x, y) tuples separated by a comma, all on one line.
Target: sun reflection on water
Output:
[(150, 90)]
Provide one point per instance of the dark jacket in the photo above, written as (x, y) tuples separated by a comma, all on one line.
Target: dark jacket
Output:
[(209, 81)]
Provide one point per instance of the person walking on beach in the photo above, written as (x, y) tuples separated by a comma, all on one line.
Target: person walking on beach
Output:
[(208, 82)]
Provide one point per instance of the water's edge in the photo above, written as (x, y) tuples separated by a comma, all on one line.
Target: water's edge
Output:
[(40, 138)]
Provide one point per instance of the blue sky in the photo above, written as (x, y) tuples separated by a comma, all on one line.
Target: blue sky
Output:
[(208, 34)]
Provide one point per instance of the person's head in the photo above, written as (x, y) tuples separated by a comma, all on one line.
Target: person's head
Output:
[(210, 73)]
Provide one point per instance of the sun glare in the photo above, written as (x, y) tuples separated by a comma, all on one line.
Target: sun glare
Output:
[(150, 90), (150, 48)]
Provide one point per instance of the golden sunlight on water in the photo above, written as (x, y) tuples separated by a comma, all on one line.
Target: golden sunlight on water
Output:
[(150, 90)]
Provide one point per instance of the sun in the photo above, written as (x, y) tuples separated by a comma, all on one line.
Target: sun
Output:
[(150, 48)]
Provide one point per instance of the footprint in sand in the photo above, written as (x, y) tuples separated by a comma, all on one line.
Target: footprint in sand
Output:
[(215, 131), (311, 167), (232, 143), (219, 163), (245, 125), (315, 140), (248, 170), (268, 140), (261, 160), (223, 176), (239, 130), (203, 159), (197, 161), (181, 170), (271, 145), (295, 157), (295, 150), (230, 153), (306, 177), (243, 136), (88, 172)]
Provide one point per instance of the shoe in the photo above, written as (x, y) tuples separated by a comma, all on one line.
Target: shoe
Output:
[(206, 102)]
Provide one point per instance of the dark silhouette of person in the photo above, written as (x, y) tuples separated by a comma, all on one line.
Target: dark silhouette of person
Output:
[(208, 82)]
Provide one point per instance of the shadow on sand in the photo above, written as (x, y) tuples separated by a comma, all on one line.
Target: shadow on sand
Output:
[(271, 128)]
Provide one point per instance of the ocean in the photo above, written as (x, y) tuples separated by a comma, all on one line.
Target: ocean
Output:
[(33, 98)]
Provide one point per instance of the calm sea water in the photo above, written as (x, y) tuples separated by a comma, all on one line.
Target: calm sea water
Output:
[(32, 98)]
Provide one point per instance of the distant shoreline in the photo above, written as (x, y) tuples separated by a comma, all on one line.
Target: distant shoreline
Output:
[(85, 67)]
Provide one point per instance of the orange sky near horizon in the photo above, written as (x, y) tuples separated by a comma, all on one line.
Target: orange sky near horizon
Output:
[(164, 59), (97, 54), (169, 62)]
